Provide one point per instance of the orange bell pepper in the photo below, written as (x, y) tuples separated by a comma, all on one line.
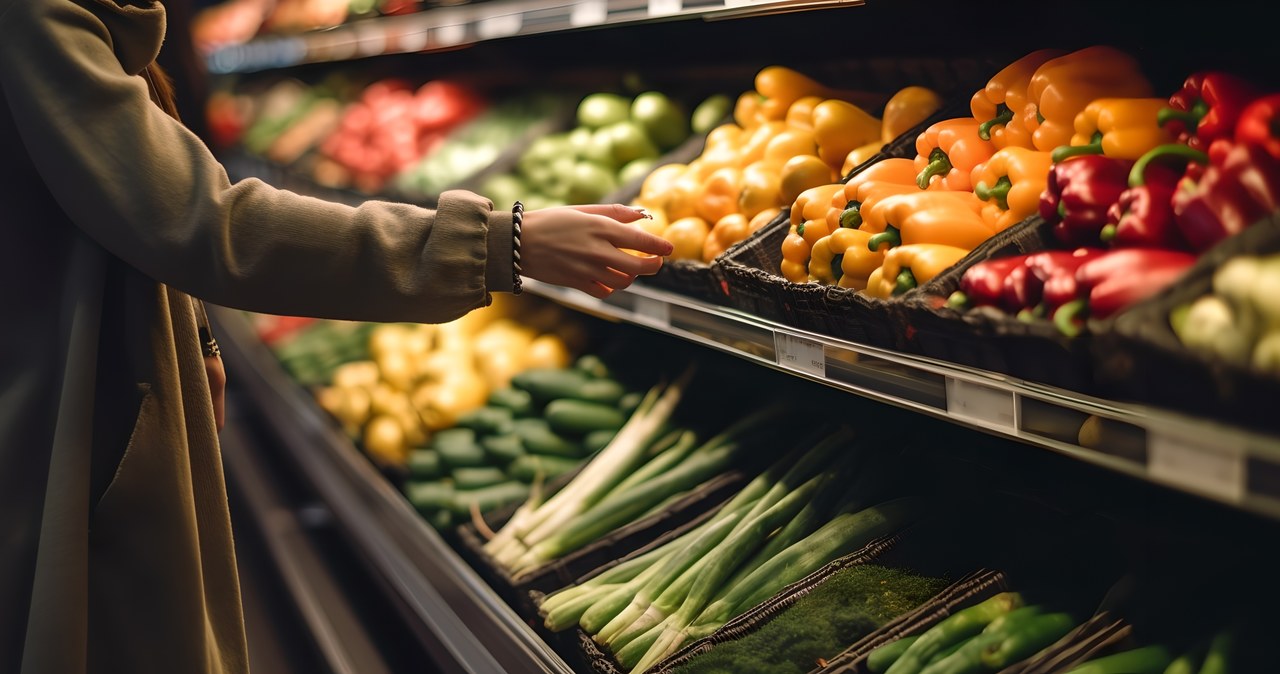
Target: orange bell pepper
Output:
[(795, 257), (947, 152), (812, 203), (1121, 128), (926, 217), (827, 256), (1064, 86), (781, 86), (910, 266), (997, 105), (840, 127), (1011, 183), (846, 204), (849, 214), (907, 108), (808, 224)]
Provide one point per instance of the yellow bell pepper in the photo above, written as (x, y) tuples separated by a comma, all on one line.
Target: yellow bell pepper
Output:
[(808, 224), (1011, 183), (926, 217), (858, 155), (823, 265), (812, 204), (1122, 128), (800, 114), (1064, 86), (848, 205), (998, 106), (843, 258), (906, 109), (947, 152), (907, 267), (781, 86), (840, 127)]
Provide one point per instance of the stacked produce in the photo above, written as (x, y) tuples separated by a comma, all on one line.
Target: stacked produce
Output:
[(794, 518), (788, 134), (971, 178), (1214, 655), (989, 636), (544, 424), (1144, 187), (418, 380), (616, 139), (1238, 322)]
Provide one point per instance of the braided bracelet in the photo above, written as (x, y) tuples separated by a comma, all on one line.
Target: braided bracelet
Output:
[(517, 219)]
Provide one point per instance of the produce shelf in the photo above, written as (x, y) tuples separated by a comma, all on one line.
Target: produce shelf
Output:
[(453, 27), (455, 615), (1226, 463)]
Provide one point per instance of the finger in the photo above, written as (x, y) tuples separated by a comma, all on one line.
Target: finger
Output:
[(647, 265), (597, 290), (638, 239), (618, 212), (612, 278)]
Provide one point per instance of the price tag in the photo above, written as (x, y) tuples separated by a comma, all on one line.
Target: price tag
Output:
[(654, 311), (451, 34), (664, 7), (588, 13), (800, 354), (984, 404), (1216, 469), (499, 25)]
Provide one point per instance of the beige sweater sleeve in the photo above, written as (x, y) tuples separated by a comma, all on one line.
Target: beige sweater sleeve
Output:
[(151, 193)]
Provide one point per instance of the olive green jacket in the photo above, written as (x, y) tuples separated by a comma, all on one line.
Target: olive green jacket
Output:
[(115, 541)]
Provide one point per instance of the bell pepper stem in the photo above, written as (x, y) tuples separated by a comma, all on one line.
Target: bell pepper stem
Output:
[(1108, 233), (891, 237), (837, 268), (1138, 174), (851, 216), (939, 165), (1069, 317), (958, 301), (1191, 118), (1065, 152), (1003, 116), (998, 191), (906, 281)]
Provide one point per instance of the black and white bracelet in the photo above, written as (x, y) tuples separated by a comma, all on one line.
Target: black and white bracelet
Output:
[(517, 219)]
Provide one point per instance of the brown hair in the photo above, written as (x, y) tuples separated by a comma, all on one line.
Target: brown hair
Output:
[(162, 89)]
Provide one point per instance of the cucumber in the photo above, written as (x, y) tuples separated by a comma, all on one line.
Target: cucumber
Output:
[(597, 440), (952, 663), (475, 478), (1027, 638), (487, 420), (441, 520), (458, 448), (629, 402), (519, 401), (957, 627), (425, 464), (579, 417), (1151, 659), (488, 498), (526, 468), (1218, 659), (592, 366), (502, 449), (546, 384), (429, 496), (879, 660), (538, 438)]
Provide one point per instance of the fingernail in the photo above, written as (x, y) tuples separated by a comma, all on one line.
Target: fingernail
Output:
[(643, 213)]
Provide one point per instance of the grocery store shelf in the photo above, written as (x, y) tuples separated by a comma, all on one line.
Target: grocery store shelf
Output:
[(453, 27), (1229, 464), (456, 616)]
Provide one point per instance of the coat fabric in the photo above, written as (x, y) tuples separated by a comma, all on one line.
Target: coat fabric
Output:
[(116, 551)]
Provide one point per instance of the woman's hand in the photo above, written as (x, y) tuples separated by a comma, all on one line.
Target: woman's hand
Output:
[(581, 247)]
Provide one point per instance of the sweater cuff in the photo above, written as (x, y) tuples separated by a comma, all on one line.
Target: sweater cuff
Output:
[(500, 263)]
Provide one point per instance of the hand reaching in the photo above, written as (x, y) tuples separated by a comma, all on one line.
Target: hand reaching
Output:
[(580, 247)]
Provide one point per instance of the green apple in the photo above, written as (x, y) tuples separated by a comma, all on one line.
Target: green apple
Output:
[(661, 118), (580, 141), (636, 169), (710, 113), (504, 188), (600, 147), (602, 109), (590, 182), (560, 177), (542, 151), (629, 141)]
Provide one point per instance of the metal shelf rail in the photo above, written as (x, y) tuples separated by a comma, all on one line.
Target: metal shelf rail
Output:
[(1223, 462), (453, 27)]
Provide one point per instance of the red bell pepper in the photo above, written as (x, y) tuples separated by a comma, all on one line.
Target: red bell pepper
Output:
[(1053, 274), (1116, 280), (1207, 108), (1078, 195), (1260, 125), (1143, 216), (1240, 186), (982, 285)]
